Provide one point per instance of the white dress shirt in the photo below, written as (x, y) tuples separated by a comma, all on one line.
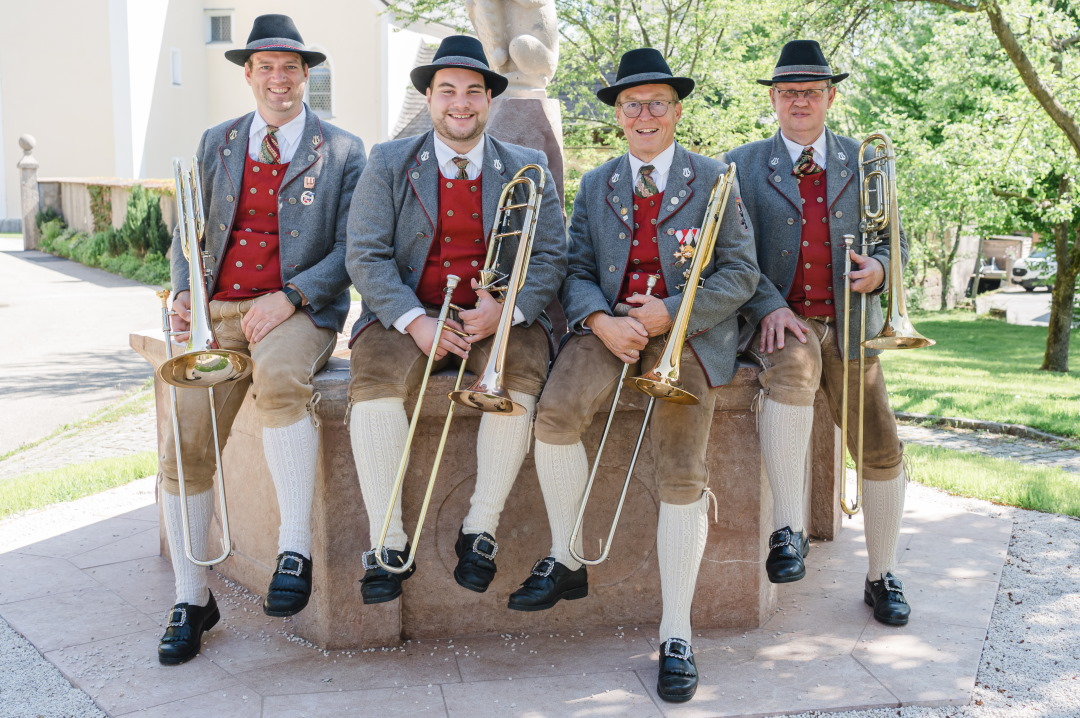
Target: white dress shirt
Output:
[(795, 149), (288, 136), (661, 167)]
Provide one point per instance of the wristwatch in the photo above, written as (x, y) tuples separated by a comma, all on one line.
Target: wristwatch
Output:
[(294, 297)]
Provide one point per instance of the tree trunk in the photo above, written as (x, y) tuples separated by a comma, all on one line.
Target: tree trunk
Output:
[(1056, 357)]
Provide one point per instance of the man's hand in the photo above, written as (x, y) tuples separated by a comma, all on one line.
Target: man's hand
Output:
[(482, 322), (869, 275), (267, 312), (773, 326), (422, 331), (624, 337), (651, 312), (181, 320)]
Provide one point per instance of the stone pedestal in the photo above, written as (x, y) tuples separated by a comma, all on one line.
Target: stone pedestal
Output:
[(28, 191), (531, 122), (732, 590)]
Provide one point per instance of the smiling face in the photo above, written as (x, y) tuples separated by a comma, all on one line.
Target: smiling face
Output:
[(802, 120), (648, 136), (278, 80), (458, 103)]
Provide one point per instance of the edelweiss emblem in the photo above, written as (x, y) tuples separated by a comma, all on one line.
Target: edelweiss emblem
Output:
[(497, 164), (232, 135), (842, 156), (774, 161), (424, 156), (615, 178), (686, 172), (315, 140)]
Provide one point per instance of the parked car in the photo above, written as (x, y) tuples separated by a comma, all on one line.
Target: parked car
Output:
[(1038, 269)]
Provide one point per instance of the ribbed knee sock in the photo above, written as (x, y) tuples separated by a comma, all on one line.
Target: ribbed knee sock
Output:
[(377, 430), (784, 432), (501, 445), (563, 472), (680, 544), (883, 510), (191, 585), (291, 453)]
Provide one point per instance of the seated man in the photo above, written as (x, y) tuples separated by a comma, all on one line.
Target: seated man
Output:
[(634, 216), (422, 212)]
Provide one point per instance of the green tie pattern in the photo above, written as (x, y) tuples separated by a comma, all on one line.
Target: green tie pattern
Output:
[(270, 153), (645, 186)]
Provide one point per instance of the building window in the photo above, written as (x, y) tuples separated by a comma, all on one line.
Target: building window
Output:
[(174, 64), (219, 26), (319, 95)]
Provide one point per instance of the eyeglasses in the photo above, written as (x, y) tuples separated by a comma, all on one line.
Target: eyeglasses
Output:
[(813, 94), (657, 108)]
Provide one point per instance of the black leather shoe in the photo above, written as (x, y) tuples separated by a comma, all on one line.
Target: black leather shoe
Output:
[(678, 677), (290, 587), (379, 585), (886, 597), (787, 549), (184, 627), (549, 582), (476, 560)]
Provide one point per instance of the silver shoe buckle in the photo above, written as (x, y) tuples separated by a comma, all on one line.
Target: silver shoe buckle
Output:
[(490, 542), (892, 583), (368, 557), (685, 651), (543, 567), (281, 568), (174, 623)]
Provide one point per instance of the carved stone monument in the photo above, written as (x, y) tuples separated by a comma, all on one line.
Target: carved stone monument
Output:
[(28, 167)]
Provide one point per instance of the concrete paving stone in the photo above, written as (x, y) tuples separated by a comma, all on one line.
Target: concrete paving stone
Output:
[(753, 688), (418, 701), (953, 556), (954, 601), (547, 653), (87, 538), (595, 695), (332, 670), (822, 604), (144, 544), (70, 619), (145, 583), (923, 663), (928, 519), (24, 576), (123, 674), (233, 703)]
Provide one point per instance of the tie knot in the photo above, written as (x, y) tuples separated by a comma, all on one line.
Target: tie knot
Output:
[(271, 129), (805, 164), (647, 170), (462, 163)]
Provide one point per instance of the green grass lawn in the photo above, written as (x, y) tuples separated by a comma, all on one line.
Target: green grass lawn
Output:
[(986, 369), (31, 491)]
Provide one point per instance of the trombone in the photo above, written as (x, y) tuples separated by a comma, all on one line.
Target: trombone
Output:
[(487, 393), (878, 211), (202, 363), (662, 381)]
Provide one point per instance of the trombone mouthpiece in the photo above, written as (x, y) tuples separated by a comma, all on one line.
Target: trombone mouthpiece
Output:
[(452, 280)]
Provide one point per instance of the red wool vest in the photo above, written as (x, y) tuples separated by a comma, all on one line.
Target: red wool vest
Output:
[(811, 292), (251, 265), (644, 258), (459, 245)]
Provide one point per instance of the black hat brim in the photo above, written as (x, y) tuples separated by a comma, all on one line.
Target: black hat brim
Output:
[(240, 56), (421, 77), (683, 87), (804, 78)]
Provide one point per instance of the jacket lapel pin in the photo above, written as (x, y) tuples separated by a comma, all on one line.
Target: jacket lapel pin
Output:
[(497, 164), (774, 161), (842, 156), (315, 140), (424, 156), (309, 182), (615, 178), (232, 135), (686, 172)]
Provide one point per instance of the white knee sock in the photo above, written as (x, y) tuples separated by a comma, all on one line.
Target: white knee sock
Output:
[(680, 543), (883, 510), (563, 473), (501, 445), (291, 453), (190, 579), (784, 432), (378, 429)]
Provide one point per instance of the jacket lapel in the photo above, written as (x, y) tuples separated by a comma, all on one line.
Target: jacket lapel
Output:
[(679, 190), (620, 196), (307, 151), (423, 177), (839, 171), (779, 172), (233, 152), (493, 175)]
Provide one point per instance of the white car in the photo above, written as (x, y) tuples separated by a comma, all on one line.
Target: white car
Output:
[(1038, 269)]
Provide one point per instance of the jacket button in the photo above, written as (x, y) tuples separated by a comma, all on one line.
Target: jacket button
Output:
[(221, 227), (785, 252), (295, 233), (777, 179), (791, 220), (228, 152), (611, 268), (843, 173), (839, 214), (229, 198), (622, 235), (419, 235), (292, 200), (310, 157)]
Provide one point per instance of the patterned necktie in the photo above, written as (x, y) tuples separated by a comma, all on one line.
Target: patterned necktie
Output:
[(645, 186), (270, 153), (462, 163), (805, 165)]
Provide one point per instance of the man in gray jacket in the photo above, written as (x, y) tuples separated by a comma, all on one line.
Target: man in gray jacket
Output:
[(802, 192), (422, 212), (634, 217), (276, 184)]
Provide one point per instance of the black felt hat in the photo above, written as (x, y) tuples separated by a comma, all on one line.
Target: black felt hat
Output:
[(802, 61), (274, 33), (644, 66), (459, 51)]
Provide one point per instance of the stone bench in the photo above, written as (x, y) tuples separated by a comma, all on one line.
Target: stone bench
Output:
[(732, 590)]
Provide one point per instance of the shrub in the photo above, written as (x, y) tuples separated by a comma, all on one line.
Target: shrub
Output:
[(143, 229)]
